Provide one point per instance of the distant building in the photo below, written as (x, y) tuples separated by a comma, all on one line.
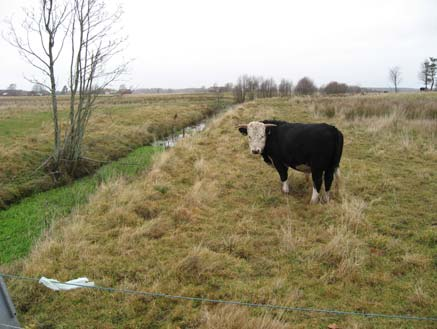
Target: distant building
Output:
[(8, 92)]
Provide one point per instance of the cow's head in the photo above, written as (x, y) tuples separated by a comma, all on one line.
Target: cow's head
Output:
[(257, 132)]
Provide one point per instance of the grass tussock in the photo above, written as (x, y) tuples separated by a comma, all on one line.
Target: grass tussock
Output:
[(353, 213), (288, 235), (344, 254), (201, 263), (209, 220), (419, 261), (418, 296), (229, 317)]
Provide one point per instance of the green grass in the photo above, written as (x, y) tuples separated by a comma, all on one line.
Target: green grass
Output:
[(23, 223), (26, 124)]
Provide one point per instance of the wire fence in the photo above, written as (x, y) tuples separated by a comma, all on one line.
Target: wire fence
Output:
[(239, 303), (4, 325)]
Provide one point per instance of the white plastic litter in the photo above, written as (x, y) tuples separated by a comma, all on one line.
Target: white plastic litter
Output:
[(68, 285)]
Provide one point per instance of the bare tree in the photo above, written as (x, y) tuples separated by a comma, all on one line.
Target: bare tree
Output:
[(305, 86), (268, 88), (252, 85), (432, 71), (94, 43), (395, 77), (335, 88), (424, 73), (42, 29), (240, 89), (285, 88), (91, 31)]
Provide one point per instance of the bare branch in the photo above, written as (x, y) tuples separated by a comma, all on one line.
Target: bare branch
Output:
[(395, 76)]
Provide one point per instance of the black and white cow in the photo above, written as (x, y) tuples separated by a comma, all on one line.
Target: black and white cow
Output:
[(309, 148)]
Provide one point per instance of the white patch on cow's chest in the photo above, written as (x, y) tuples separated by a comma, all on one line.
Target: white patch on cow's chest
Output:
[(304, 168)]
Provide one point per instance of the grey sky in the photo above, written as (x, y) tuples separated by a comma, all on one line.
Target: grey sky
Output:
[(192, 43)]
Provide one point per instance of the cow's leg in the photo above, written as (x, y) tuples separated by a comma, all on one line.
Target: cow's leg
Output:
[(283, 174), (328, 177), (337, 179), (317, 176)]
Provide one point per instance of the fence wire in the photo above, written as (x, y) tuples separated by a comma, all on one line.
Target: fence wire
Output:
[(238, 303)]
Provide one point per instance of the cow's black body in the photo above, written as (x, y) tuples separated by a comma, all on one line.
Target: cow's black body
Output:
[(316, 146)]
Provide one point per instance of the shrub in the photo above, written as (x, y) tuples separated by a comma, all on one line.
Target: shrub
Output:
[(305, 86), (335, 88)]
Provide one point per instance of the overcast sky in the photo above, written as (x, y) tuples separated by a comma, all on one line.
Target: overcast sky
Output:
[(193, 43)]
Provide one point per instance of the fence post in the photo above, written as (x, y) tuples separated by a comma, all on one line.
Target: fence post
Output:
[(8, 314)]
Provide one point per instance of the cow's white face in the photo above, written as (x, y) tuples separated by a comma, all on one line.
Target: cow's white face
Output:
[(256, 132)]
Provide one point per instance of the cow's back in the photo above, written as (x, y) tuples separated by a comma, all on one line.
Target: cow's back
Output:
[(309, 144)]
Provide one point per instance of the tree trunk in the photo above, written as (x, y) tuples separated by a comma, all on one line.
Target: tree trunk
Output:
[(57, 133)]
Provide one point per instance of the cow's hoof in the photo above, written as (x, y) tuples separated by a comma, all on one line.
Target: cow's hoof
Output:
[(285, 188), (326, 197), (315, 197)]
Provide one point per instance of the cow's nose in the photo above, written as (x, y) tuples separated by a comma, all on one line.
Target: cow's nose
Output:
[(255, 151)]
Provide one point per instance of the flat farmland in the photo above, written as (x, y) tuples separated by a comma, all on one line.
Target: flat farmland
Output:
[(208, 219)]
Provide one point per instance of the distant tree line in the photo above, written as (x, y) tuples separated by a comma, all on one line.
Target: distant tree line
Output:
[(248, 88)]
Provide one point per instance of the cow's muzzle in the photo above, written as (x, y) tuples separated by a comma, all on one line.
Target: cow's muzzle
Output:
[(255, 152)]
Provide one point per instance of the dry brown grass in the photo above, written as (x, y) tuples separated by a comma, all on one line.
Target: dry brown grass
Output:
[(229, 317), (353, 216), (417, 260), (344, 253), (410, 119), (418, 296), (409, 106), (290, 240)]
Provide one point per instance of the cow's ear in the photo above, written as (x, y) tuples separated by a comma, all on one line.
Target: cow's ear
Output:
[(242, 130)]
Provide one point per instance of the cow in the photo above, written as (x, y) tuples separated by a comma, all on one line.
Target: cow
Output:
[(314, 149)]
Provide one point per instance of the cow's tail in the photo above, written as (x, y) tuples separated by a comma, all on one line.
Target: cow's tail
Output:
[(338, 149), (337, 157)]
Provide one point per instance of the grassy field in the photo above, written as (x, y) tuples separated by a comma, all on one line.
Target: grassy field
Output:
[(209, 219), (118, 126)]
